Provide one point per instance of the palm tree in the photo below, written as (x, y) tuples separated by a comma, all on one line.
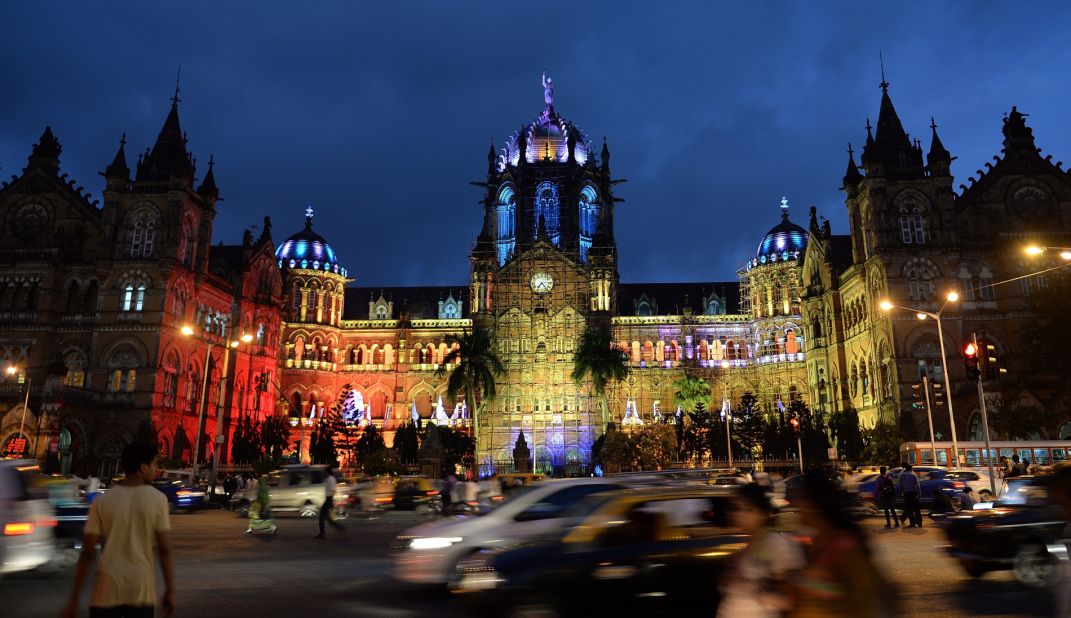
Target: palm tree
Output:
[(598, 359), (475, 370)]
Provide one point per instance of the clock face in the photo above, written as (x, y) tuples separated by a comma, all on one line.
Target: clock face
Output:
[(542, 282)]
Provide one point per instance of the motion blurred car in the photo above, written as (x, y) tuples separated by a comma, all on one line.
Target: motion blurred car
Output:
[(416, 493), (654, 551), (293, 489), (27, 522), (1019, 533), (181, 495), (427, 554), (978, 481), (931, 480)]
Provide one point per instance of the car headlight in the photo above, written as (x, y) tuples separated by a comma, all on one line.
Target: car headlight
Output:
[(434, 542)]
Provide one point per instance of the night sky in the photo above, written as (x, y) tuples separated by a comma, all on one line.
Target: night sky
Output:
[(379, 114)]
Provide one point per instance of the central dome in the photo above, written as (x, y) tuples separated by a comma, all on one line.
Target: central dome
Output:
[(308, 250), (785, 241), (547, 138)]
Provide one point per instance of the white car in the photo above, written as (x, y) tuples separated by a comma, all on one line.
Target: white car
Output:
[(978, 481), (27, 521), (429, 553)]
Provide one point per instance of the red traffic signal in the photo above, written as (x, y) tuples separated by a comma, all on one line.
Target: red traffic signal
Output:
[(795, 422), (970, 361)]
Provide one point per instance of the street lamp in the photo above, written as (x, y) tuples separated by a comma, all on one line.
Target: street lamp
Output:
[(188, 331), (12, 370), (951, 297), (727, 411), (1036, 250)]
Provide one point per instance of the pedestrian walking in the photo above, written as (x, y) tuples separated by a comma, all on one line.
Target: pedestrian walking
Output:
[(909, 486), (260, 519), (230, 484), (886, 491), (753, 584), (326, 511), (127, 520), (840, 578)]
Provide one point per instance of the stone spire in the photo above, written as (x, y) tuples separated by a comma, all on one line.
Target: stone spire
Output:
[(890, 153), (168, 156), (939, 160), (851, 175), (46, 152), (208, 187)]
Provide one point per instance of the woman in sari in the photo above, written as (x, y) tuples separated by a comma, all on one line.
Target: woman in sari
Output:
[(260, 512)]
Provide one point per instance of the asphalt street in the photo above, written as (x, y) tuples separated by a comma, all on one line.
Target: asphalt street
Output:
[(222, 572)]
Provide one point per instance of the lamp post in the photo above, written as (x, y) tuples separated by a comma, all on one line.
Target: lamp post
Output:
[(187, 331), (951, 297), (12, 370), (221, 409), (727, 411)]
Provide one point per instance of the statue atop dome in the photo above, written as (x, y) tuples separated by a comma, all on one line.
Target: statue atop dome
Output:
[(548, 90)]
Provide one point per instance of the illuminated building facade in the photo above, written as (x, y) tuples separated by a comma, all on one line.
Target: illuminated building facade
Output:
[(93, 298), (912, 240), (544, 266)]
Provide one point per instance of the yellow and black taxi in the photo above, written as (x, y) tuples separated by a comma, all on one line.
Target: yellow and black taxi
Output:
[(634, 551)]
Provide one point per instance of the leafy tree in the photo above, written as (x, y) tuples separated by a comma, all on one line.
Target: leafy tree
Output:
[(597, 358), (407, 444), (458, 449), (750, 424), (1023, 422), (655, 447), (690, 391), (245, 443), (881, 444), (617, 451), (1039, 363), (696, 442), (844, 428), (476, 369), (274, 438), (812, 432)]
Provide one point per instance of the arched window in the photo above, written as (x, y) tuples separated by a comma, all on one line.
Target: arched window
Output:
[(381, 312), (912, 226), (986, 291), (75, 362), (546, 210), (122, 365), (134, 297), (643, 308), (919, 282), (450, 311)]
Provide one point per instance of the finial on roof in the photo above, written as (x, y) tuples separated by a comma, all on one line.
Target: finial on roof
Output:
[(884, 84), (784, 208), (308, 216), (548, 90), (178, 79)]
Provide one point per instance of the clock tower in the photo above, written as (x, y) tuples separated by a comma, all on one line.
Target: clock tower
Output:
[(544, 266)]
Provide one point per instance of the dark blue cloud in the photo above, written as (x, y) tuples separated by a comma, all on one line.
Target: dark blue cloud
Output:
[(380, 115)]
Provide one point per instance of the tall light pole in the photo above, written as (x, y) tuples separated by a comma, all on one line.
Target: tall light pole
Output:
[(726, 409), (187, 331), (951, 297), (12, 370), (221, 409)]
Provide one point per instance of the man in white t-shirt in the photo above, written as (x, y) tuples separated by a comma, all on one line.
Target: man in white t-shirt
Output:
[(127, 520), (330, 486)]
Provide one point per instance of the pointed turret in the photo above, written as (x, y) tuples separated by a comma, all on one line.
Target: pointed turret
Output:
[(117, 171), (851, 175), (492, 167), (891, 153), (939, 160), (605, 157), (208, 187), (168, 156), (46, 152)]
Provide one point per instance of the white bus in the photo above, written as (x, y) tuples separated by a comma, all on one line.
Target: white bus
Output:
[(972, 454)]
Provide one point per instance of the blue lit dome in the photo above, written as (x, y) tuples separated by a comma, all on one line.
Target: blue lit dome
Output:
[(308, 250), (547, 138), (784, 242)]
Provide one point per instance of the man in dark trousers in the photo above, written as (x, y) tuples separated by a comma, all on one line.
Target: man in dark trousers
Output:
[(909, 486), (886, 491), (330, 486)]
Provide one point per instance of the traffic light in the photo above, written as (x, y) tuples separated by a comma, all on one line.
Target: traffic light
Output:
[(916, 392), (795, 422), (970, 361), (991, 368), (938, 393)]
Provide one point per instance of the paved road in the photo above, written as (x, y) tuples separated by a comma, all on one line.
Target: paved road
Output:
[(222, 572)]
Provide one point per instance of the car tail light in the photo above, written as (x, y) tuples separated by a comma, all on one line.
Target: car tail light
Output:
[(431, 493), (16, 528), (383, 499), (958, 485), (47, 522)]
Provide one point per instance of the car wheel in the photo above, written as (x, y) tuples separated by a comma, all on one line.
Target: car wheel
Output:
[(341, 512), (1035, 567), (974, 569), (309, 510), (170, 508)]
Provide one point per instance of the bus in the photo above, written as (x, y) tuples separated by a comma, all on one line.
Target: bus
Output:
[(972, 453)]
